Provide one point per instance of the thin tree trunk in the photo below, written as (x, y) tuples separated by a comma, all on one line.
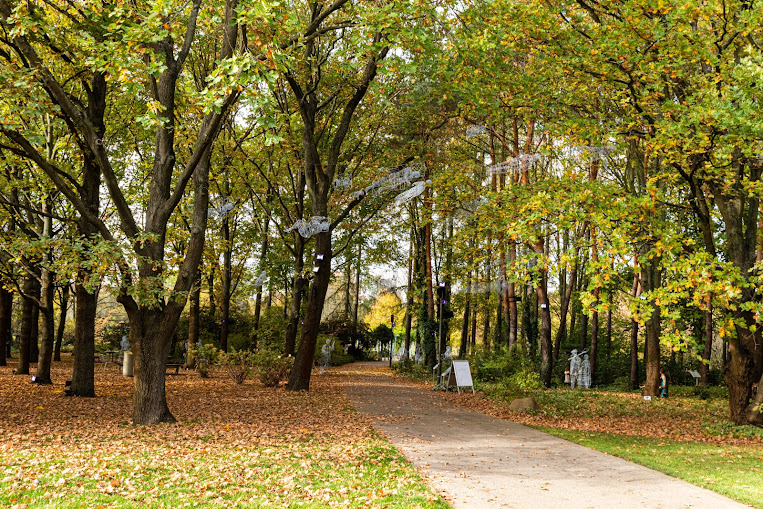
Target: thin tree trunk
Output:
[(63, 311), (635, 292), (227, 277), (561, 333), (409, 297), (6, 315), (45, 358), (593, 353), (357, 286), (258, 302), (194, 339), (27, 333), (467, 315), (704, 367)]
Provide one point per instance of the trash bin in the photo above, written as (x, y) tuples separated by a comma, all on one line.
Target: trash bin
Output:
[(127, 364)]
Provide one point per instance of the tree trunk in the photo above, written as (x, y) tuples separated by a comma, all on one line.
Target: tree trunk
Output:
[(595, 314), (409, 297), (428, 269), (83, 382), (511, 295), (652, 280), (561, 333), (227, 276), (467, 315), (704, 367), (635, 292), (151, 332), (42, 375), (297, 288), (546, 354), (27, 334), (6, 316), (64, 309), (194, 340), (211, 290), (357, 287), (299, 379)]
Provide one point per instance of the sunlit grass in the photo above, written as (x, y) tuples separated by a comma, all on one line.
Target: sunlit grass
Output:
[(733, 471)]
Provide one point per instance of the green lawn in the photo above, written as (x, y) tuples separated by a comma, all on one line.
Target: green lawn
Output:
[(733, 471)]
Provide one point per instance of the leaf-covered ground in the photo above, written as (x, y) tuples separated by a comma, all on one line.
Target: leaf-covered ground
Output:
[(682, 417), (234, 446)]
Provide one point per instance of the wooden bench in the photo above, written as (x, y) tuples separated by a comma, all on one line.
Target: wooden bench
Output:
[(176, 365)]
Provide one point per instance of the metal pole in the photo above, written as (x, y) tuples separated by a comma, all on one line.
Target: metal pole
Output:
[(439, 345)]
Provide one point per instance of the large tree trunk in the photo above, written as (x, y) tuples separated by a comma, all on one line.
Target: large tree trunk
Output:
[(652, 280), (6, 316), (299, 379), (61, 328), (151, 333), (745, 363), (83, 383)]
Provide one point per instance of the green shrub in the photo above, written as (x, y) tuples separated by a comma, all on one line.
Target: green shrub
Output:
[(271, 367), (238, 364), (205, 356)]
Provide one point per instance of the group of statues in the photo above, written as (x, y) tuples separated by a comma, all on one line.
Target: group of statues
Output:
[(580, 370)]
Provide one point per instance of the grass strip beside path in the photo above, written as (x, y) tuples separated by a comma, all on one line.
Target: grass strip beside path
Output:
[(733, 471)]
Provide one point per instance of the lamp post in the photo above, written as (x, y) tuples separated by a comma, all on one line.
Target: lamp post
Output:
[(392, 340)]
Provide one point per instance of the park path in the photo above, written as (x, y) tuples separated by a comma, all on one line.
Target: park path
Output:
[(477, 461)]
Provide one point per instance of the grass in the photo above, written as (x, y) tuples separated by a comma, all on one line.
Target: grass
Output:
[(243, 446), (370, 473), (733, 471)]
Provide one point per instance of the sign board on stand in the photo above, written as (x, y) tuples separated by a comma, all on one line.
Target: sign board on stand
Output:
[(460, 375), (695, 375)]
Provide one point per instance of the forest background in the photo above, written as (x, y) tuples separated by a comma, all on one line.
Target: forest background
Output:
[(581, 175)]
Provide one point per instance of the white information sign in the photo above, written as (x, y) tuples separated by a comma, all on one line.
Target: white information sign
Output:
[(460, 375), (695, 375)]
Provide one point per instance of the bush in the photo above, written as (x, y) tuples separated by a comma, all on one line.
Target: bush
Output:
[(348, 333), (238, 364), (271, 367), (204, 357)]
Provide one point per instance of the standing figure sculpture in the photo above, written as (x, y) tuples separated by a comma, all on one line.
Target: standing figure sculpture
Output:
[(326, 350), (418, 356), (585, 373), (575, 368)]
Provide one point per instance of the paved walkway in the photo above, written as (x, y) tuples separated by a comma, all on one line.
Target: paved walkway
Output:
[(478, 461)]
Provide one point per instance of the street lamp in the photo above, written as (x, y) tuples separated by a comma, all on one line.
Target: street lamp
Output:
[(392, 340)]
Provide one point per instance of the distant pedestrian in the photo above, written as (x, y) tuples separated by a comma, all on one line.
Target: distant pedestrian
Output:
[(663, 384)]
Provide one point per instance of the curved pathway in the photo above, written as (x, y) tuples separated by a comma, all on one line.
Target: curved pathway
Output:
[(478, 461)]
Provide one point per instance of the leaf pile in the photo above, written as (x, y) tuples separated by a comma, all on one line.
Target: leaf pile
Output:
[(234, 446)]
